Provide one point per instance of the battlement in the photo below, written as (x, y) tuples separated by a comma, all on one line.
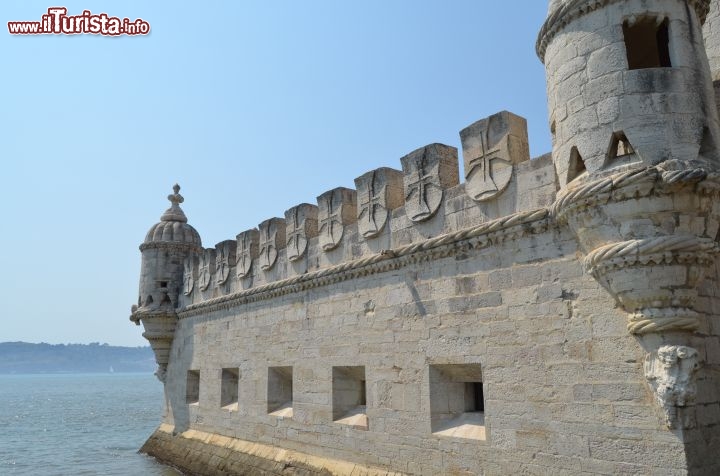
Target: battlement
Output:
[(390, 212)]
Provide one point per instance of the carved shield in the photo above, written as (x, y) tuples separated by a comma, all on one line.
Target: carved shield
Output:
[(247, 251), (379, 192), (207, 263), (224, 257), (301, 225), (190, 271), (336, 209), (491, 147), (272, 234), (428, 172)]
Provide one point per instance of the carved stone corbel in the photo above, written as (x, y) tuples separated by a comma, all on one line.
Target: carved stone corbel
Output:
[(671, 374)]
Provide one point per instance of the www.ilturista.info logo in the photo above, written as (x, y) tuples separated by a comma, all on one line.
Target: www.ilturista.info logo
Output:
[(58, 22)]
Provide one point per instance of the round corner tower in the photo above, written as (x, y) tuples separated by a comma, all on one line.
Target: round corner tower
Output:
[(167, 244), (635, 148), (628, 84)]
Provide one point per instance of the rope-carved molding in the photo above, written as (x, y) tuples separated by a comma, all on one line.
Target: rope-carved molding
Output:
[(631, 184), (665, 308), (486, 234), (570, 10), (662, 249)]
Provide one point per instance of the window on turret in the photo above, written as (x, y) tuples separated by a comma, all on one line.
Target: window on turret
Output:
[(647, 42)]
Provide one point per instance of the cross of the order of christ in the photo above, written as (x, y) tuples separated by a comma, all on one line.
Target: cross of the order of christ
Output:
[(489, 173), (295, 251), (328, 223), (370, 205), (420, 182)]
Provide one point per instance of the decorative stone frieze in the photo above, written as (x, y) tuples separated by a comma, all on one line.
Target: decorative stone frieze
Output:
[(629, 225)]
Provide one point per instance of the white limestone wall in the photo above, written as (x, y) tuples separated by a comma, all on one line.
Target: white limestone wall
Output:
[(563, 379)]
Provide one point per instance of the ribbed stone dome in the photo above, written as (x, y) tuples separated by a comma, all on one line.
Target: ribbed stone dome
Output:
[(173, 226)]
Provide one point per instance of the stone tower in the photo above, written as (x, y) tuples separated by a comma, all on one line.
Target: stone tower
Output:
[(164, 250), (627, 85), (635, 129)]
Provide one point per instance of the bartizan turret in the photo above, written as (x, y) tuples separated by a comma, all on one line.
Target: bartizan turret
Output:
[(635, 135), (164, 250)]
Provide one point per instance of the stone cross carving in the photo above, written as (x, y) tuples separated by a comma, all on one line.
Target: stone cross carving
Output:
[(670, 372), (301, 225), (491, 147), (428, 172), (336, 208), (189, 274), (272, 239), (246, 252), (207, 268), (379, 192), (224, 258)]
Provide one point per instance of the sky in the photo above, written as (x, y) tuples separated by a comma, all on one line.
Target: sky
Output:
[(251, 106)]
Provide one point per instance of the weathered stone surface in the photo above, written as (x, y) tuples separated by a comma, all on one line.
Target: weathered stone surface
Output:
[(224, 259), (301, 225), (336, 209), (272, 239), (247, 247), (428, 172), (379, 192), (491, 147)]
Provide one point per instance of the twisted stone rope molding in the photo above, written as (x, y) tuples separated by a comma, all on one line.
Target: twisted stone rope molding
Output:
[(576, 8), (634, 250), (600, 191), (660, 320), (171, 246), (492, 232)]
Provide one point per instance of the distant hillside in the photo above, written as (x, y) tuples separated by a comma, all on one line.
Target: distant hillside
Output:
[(22, 357)]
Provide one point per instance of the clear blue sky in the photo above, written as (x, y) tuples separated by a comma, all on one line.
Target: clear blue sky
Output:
[(253, 107)]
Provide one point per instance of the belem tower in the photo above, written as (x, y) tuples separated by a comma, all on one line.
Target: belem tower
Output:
[(559, 315)]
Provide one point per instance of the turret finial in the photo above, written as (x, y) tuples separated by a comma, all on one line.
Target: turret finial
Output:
[(175, 213), (176, 198)]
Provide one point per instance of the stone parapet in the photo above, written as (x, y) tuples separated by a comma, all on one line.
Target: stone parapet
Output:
[(392, 214)]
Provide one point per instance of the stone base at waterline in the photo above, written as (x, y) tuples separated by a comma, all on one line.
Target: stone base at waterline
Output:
[(199, 453)]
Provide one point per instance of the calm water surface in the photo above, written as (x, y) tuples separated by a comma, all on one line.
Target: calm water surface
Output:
[(89, 424)]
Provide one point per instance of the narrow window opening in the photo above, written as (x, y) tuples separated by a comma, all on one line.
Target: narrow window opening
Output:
[(165, 299), (280, 392), (349, 396), (457, 401), (647, 42), (229, 381), (149, 300), (192, 392), (163, 284), (576, 166), (619, 146)]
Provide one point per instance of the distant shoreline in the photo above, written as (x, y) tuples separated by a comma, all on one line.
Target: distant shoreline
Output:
[(25, 358)]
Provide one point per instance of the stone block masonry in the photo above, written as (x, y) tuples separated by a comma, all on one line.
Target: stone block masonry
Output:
[(550, 316)]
